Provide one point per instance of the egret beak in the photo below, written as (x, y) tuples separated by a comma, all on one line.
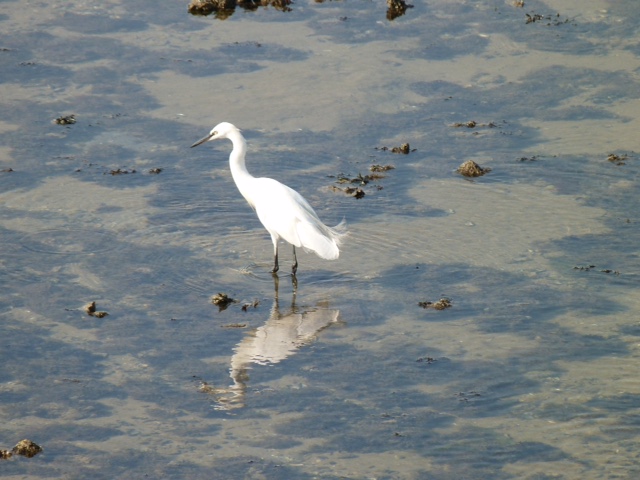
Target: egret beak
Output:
[(202, 140)]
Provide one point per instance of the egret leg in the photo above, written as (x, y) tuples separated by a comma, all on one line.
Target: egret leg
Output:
[(294, 267), (276, 267), (276, 287)]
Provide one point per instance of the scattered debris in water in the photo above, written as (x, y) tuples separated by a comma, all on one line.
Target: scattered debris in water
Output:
[(155, 171), (371, 180), (234, 325), (472, 169), (618, 159), (108, 170), (65, 120), (90, 309), (25, 447), (533, 17), (381, 168), (222, 301), (404, 149), (465, 396), (474, 124), (587, 268), (7, 170), (396, 8), (249, 43), (351, 191), (552, 20), (427, 360), (253, 304), (120, 171), (439, 305), (360, 179), (518, 3), (354, 192), (470, 124)]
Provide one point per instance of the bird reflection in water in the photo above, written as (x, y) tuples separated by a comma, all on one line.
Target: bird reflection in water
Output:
[(281, 336)]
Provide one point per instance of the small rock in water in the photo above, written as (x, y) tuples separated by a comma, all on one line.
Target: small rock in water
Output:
[(25, 447), (472, 169)]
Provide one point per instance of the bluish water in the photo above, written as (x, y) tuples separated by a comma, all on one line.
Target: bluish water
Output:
[(531, 373)]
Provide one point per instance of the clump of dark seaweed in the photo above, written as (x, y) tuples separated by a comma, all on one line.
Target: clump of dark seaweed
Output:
[(396, 8), (618, 159), (404, 149), (222, 301), (222, 9), (438, 305), (65, 120)]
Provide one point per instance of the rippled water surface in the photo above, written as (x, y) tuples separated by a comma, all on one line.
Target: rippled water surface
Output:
[(531, 373)]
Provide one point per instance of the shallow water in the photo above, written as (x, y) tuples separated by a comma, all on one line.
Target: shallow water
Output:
[(532, 373)]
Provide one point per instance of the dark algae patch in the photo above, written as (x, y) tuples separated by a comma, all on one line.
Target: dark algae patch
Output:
[(223, 9), (474, 124), (549, 20), (65, 120), (120, 171), (441, 304), (405, 149), (253, 304), (588, 268), (359, 181), (396, 8), (381, 168), (616, 159)]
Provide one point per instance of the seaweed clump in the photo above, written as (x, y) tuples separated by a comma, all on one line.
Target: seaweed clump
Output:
[(396, 8), (222, 9)]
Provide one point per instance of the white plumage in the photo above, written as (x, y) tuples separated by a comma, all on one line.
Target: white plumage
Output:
[(283, 211)]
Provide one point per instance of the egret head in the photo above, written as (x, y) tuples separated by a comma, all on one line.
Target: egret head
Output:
[(222, 130)]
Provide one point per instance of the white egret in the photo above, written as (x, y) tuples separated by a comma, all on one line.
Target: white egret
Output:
[(283, 211)]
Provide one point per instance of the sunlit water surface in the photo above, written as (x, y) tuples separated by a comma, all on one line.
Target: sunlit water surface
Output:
[(532, 372)]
